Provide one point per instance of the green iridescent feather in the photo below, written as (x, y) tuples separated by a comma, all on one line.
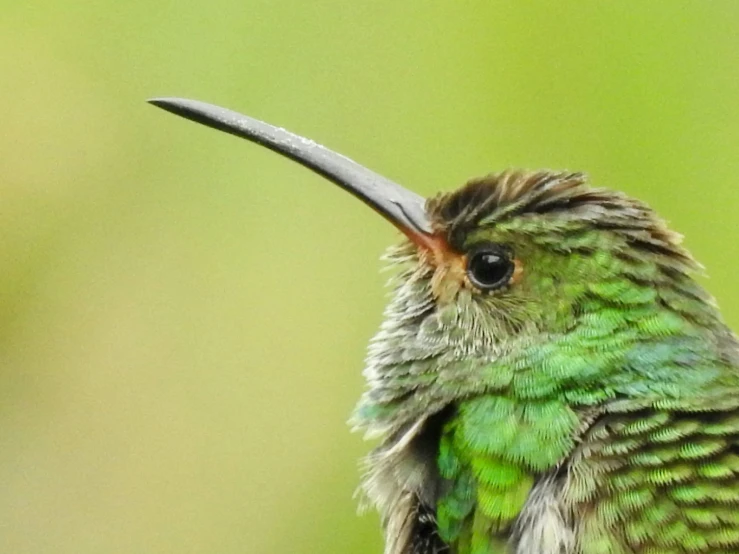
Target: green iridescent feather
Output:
[(591, 407)]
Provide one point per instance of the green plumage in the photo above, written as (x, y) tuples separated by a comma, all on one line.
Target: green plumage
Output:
[(591, 406)]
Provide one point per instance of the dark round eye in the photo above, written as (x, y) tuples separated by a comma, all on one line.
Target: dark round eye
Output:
[(489, 267)]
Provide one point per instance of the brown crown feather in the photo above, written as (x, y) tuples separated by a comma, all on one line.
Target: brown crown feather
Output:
[(498, 197)]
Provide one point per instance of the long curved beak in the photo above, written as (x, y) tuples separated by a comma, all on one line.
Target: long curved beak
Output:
[(403, 208)]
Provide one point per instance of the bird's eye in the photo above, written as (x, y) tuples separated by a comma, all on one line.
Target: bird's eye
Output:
[(490, 267)]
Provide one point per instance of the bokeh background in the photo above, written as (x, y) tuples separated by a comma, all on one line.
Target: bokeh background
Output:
[(183, 316)]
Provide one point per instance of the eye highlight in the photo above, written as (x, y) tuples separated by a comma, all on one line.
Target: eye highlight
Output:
[(490, 267)]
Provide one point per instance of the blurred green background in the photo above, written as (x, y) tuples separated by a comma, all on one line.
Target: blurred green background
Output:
[(183, 316)]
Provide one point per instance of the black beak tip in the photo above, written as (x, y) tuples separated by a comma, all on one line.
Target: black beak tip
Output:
[(174, 105), (158, 102)]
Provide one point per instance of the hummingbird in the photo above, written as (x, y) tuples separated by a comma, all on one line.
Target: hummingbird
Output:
[(549, 377)]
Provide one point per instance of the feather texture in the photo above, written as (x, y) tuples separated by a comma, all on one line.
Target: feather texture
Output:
[(590, 407)]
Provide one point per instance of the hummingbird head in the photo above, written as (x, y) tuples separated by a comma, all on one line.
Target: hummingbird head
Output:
[(525, 253), (514, 261), (501, 265)]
